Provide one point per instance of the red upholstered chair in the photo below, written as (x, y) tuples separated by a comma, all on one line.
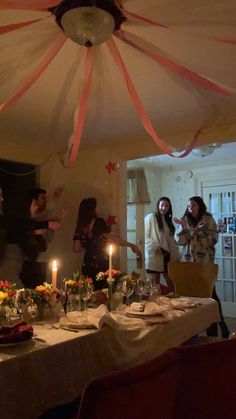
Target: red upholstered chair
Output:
[(207, 387), (145, 391)]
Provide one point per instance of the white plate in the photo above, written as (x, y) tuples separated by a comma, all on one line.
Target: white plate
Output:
[(67, 324), (182, 303), (132, 313)]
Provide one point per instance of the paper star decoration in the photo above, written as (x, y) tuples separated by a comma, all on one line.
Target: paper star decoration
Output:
[(111, 220), (110, 167)]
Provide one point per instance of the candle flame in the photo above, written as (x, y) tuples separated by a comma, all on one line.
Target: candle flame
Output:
[(110, 249), (54, 265)]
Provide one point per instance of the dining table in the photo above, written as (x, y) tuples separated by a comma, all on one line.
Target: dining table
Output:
[(54, 367)]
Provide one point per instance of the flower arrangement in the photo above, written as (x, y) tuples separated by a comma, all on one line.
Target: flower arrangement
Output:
[(44, 297), (7, 293), (79, 284), (118, 275)]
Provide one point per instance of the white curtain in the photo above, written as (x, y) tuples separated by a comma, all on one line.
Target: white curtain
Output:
[(137, 190)]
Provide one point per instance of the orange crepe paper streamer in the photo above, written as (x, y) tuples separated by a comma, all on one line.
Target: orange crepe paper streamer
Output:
[(156, 23), (57, 45), (14, 26), (144, 19), (139, 107), (80, 116), (28, 5), (189, 75)]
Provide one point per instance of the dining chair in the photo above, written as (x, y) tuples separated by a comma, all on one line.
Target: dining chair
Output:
[(147, 390), (207, 381), (193, 279)]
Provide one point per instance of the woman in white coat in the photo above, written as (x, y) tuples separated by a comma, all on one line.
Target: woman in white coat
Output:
[(160, 245)]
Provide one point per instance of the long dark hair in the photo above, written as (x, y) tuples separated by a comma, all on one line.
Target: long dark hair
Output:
[(168, 216), (202, 211), (86, 214)]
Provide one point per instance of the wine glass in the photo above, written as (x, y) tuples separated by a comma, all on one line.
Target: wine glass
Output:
[(128, 290), (85, 294), (154, 289), (142, 288), (22, 304)]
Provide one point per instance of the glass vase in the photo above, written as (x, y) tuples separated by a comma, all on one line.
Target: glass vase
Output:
[(4, 315), (73, 303)]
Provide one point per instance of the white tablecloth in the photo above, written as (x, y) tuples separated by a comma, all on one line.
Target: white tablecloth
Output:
[(54, 369)]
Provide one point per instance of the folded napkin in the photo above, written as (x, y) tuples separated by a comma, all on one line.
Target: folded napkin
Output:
[(183, 302), (156, 320), (97, 318), (149, 308), (18, 332)]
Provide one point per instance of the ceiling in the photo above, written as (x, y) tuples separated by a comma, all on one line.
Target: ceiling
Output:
[(42, 119), (225, 154)]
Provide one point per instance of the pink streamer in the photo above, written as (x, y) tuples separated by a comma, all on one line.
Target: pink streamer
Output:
[(14, 26), (37, 72), (28, 5), (222, 40), (139, 107), (80, 117), (144, 19), (150, 49), (156, 23)]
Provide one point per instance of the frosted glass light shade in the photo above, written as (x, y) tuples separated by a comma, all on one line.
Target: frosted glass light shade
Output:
[(205, 150), (88, 26)]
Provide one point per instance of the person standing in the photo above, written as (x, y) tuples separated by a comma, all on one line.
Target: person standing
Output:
[(31, 237), (198, 234), (160, 245), (92, 236)]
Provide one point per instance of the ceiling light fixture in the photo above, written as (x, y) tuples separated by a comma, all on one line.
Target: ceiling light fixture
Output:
[(205, 150), (88, 22)]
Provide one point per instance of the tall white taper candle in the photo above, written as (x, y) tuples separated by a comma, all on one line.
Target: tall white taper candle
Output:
[(54, 274), (110, 263)]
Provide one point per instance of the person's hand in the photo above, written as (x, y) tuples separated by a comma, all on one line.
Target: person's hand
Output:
[(54, 225), (199, 229), (136, 250), (180, 221), (158, 251)]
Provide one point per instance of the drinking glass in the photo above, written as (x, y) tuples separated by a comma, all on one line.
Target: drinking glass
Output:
[(126, 288), (86, 293), (73, 303), (22, 304), (154, 289), (142, 288)]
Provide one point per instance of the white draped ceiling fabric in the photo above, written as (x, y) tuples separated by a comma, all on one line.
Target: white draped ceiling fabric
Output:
[(171, 64)]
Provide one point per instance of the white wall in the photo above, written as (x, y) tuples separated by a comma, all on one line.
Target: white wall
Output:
[(179, 185), (88, 178)]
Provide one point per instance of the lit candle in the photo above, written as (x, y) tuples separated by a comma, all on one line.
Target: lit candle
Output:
[(110, 263), (54, 274)]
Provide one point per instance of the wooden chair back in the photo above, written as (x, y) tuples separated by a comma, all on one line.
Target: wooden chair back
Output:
[(193, 279)]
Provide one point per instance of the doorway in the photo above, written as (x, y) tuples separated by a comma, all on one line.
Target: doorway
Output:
[(16, 180)]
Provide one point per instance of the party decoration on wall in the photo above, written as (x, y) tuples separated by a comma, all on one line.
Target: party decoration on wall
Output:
[(111, 220), (58, 191), (89, 23), (110, 167)]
